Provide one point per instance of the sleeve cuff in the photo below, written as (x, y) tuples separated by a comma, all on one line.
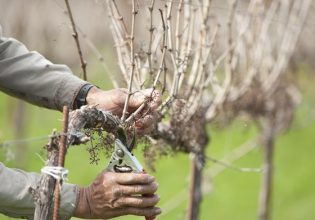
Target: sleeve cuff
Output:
[(68, 91), (69, 195)]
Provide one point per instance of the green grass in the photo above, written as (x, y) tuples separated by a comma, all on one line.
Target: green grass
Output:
[(233, 195)]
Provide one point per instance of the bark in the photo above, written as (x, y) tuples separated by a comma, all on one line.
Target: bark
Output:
[(89, 117), (44, 192), (264, 212), (195, 196)]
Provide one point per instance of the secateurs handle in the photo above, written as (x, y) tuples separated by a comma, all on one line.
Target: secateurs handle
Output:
[(123, 161)]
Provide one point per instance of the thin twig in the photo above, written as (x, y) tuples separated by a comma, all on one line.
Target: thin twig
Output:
[(100, 57), (178, 36), (124, 44), (61, 160), (94, 49), (76, 38), (151, 29), (132, 56), (298, 15), (197, 70), (163, 51), (135, 113), (120, 18), (120, 41), (186, 50)]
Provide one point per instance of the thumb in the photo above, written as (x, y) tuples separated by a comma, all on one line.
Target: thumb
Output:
[(137, 98)]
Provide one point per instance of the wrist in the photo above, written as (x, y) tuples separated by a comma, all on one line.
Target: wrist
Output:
[(91, 97), (81, 98), (82, 208)]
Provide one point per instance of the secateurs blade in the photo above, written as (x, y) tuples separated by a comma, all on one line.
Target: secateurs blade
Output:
[(123, 161)]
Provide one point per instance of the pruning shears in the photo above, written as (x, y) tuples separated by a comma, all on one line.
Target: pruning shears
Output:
[(123, 161)]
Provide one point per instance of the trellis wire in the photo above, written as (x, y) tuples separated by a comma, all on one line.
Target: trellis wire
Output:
[(236, 154)]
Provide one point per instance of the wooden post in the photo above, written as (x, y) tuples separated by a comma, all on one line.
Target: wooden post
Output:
[(47, 188), (61, 160), (264, 212), (195, 195), (43, 194)]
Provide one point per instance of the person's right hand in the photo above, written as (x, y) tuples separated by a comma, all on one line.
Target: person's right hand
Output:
[(116, 194)]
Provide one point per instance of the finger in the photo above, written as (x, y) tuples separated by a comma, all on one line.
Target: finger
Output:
[(146, 130), (134, 178), (146, 92), (137, 98), (156, 100), (139, 201), (145, 122), (139, 189), (140, 96), (153, 211)]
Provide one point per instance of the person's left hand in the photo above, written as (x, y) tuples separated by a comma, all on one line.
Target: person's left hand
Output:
[(114, 101), (117, 194)]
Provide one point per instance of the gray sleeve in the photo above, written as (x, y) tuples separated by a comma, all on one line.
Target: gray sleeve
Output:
[(29, 76), (16, 201)]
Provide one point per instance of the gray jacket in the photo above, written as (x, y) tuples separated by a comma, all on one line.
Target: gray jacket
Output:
[(29, 76)]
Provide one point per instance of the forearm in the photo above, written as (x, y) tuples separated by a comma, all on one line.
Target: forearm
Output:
[(29, 76), (16, 201)]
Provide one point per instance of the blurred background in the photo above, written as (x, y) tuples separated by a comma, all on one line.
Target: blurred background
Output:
[(43, 25)]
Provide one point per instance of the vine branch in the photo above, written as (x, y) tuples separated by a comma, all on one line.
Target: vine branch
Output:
[(76, 39)]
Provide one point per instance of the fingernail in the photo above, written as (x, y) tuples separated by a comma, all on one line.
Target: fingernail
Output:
[(157, 211), (156, 186), (151, 178)]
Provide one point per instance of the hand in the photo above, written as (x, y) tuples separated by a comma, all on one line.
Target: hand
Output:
[(116, 194), (114, 101)]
